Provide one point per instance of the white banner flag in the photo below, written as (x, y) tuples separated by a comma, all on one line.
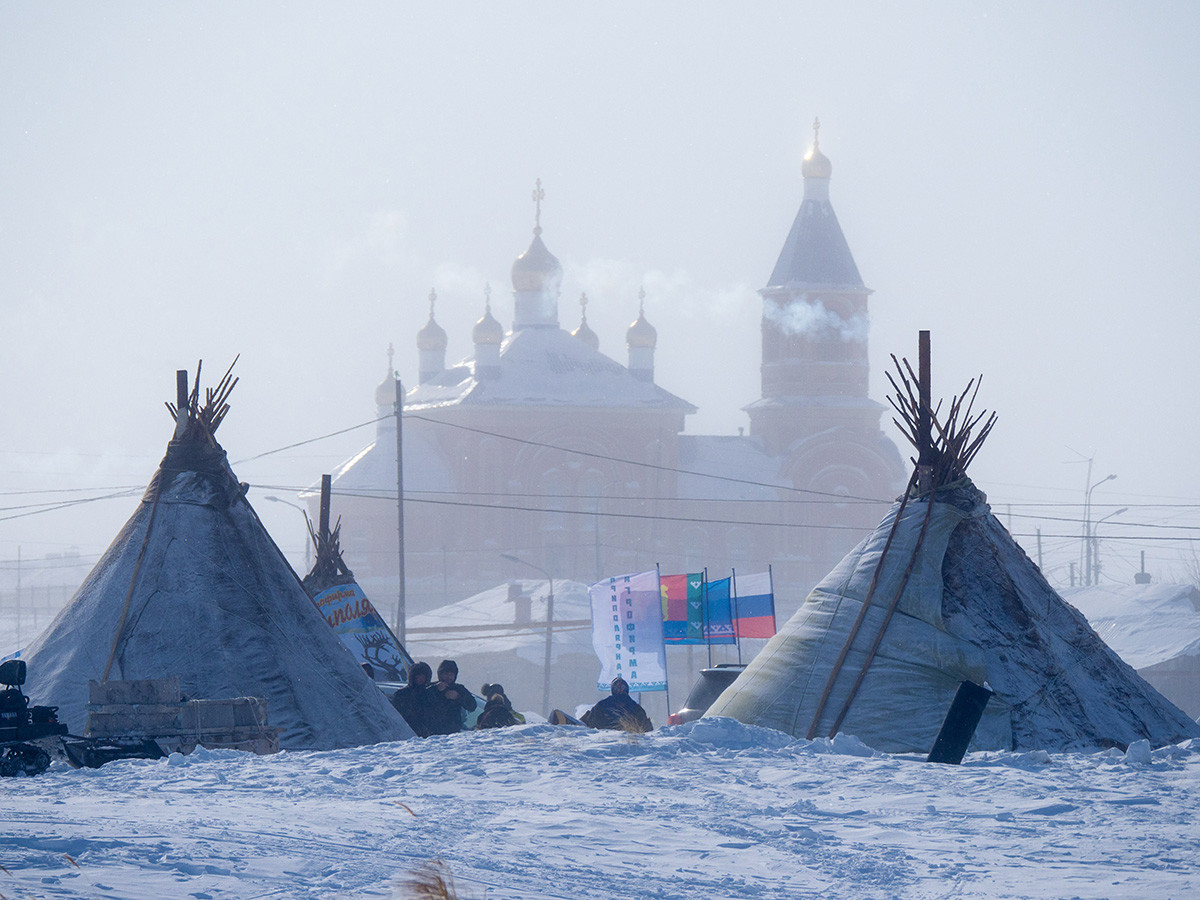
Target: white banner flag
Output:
[(627, 631)]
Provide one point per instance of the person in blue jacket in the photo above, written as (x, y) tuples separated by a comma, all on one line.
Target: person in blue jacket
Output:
[(619, 711)]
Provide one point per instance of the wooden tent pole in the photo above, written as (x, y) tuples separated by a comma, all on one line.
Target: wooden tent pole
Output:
[(326, 491), (862, 612), (887, 618), (924, 417)]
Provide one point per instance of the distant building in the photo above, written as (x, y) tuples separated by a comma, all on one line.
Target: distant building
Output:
[(539, 445)]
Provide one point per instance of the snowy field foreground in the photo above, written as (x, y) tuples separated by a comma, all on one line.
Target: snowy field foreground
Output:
[(712, 809)]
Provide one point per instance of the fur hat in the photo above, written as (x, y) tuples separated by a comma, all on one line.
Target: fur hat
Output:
[(619, 681)]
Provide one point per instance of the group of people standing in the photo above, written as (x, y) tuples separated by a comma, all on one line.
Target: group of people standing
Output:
[(440, 707)]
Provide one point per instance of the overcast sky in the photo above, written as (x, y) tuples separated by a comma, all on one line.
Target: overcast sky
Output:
[(289, 181)]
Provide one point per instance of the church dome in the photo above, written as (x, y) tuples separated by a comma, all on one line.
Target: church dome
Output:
[(385, 394), (487, 330), (432, 337), (537, 269), (584, 331), (641, 333), (816, 164)]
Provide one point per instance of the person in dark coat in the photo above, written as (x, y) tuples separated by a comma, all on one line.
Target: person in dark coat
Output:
[(413, 701), (618, 712), (448, 700), (498, 711)]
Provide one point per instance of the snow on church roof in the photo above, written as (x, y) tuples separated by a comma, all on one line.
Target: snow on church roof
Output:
[(734, 460), (545, 366), (373, 468), (485, 623), (1145, 624)]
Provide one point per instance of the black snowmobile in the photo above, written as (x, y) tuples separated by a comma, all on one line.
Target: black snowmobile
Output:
[(25, 731)]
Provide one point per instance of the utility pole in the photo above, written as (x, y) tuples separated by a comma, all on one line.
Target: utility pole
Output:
[(1089, 548), (549, 630), (18, 597), (400, 596)]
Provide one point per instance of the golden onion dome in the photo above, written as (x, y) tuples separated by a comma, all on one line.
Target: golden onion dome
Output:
[(816, 164), (385, 394), (487, 330), (537, 269), (641, 333), (584, 331), (431, 337)]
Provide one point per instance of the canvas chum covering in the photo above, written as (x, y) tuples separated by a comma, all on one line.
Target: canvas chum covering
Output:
[(955, 599), (975, 608), (194, 587)]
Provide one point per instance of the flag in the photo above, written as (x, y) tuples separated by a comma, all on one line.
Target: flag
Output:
[(753, 606), (718, 618), (627, 631), (682, 605)]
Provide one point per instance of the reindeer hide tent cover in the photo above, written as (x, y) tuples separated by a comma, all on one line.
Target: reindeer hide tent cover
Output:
[(194, 586), (969, 605)]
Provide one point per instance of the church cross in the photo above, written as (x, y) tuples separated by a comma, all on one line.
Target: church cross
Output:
[(538, 196)]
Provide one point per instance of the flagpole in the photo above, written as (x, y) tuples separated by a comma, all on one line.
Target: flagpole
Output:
[(666, 664), (704, 629), (771, 585), (737, 630)]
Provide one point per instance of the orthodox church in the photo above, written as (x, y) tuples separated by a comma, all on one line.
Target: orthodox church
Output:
[(539, 446)]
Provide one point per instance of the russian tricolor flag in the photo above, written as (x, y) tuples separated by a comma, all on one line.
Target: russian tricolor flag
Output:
[(753, 606)]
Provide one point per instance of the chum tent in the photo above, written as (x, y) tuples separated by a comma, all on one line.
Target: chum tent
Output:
[(938, 594), (358, 625), (194, 587)]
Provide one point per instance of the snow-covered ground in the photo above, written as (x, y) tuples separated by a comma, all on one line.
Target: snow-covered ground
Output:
[(713, 809)]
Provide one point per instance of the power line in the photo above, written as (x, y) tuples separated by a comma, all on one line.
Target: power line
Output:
[(309, 441), (646, 465), (67, 504)]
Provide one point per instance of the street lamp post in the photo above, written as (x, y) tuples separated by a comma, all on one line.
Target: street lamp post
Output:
[(549, 630), (1096, 543), (307, 527), (1087, 526)]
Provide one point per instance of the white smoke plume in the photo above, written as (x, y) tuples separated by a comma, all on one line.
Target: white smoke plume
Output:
[(811, 318)]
